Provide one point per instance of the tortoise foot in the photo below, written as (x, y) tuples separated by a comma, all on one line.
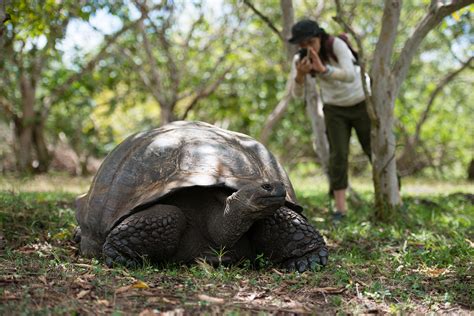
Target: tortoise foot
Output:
[(290, 241), (308, 261), (115, 256), (153, 233)]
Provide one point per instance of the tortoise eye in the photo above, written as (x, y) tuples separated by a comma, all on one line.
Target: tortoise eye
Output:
[(267, 187)]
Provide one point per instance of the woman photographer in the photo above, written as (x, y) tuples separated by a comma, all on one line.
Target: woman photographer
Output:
[(331, 60)]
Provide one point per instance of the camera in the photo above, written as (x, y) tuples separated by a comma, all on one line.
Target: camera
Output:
[(302, 53)]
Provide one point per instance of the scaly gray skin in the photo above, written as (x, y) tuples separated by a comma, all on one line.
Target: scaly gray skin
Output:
[(197, 222)]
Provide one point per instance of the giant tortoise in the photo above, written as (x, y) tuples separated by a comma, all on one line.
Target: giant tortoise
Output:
[(191, 190)]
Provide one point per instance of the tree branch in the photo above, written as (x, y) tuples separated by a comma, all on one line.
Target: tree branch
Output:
[(142, 74), (384, 48), (446, 80), (59, 91), (449, 43), (217, 64), (155, 75), (219, 61), (173, 71), (278, 112), (319, 9), (437, 12), (265, 19), (53, 35), (189, 36), (205, 92)]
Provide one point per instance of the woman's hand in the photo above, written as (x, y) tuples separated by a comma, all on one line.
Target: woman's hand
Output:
[(303, 67), (316, 64), (308, 64)]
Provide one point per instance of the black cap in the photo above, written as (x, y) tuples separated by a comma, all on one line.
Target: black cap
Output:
[(303, 30)]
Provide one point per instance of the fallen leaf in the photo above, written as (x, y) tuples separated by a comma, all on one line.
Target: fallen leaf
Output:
[(435, 272), (123, 289), (140, 285), (88, 276), (471, 244), (330, 290), (169, 301), (82, 294), (42, 278), (79, 282), (147, 312), (7, 295), (277, 272), (210, 299), (153, 300), (83, 265), (103, 302)]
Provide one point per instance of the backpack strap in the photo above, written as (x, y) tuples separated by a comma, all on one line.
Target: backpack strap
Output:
[(345, 38)]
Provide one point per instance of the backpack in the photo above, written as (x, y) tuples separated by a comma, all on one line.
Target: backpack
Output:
[(345, 38)]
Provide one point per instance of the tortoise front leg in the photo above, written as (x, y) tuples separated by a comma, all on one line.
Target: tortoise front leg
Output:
[(154, 233), (287, 239)]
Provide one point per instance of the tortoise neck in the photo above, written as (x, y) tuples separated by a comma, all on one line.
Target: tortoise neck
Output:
[(228, 226)]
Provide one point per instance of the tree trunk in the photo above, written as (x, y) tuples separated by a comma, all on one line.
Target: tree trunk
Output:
[(387, 195), (84, 161), (314, 108), (384, 169), (166, 114), (24, 126), (42, 152), (288, 21), (387, 80)]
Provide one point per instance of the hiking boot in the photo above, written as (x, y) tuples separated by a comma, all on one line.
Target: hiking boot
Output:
[(338, 216)]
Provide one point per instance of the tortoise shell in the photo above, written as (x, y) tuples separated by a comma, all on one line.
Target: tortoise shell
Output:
[(149, 165)]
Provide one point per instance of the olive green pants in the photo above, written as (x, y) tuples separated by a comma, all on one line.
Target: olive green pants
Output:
[(339, 123)]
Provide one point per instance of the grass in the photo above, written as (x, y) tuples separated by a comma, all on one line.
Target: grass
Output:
[(421, 263)]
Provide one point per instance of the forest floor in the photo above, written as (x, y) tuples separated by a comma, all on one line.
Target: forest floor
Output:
[(419, 263)]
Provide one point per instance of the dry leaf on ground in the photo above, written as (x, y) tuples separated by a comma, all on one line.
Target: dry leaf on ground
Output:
[(211, 299), (330, 290), (82, 293), (123, 289), (147, 312), (42, 278), (436, 272), (103, 302), (140, 285)]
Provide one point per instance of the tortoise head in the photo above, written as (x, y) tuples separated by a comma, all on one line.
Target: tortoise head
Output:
[(242, 208), (257, 200)]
